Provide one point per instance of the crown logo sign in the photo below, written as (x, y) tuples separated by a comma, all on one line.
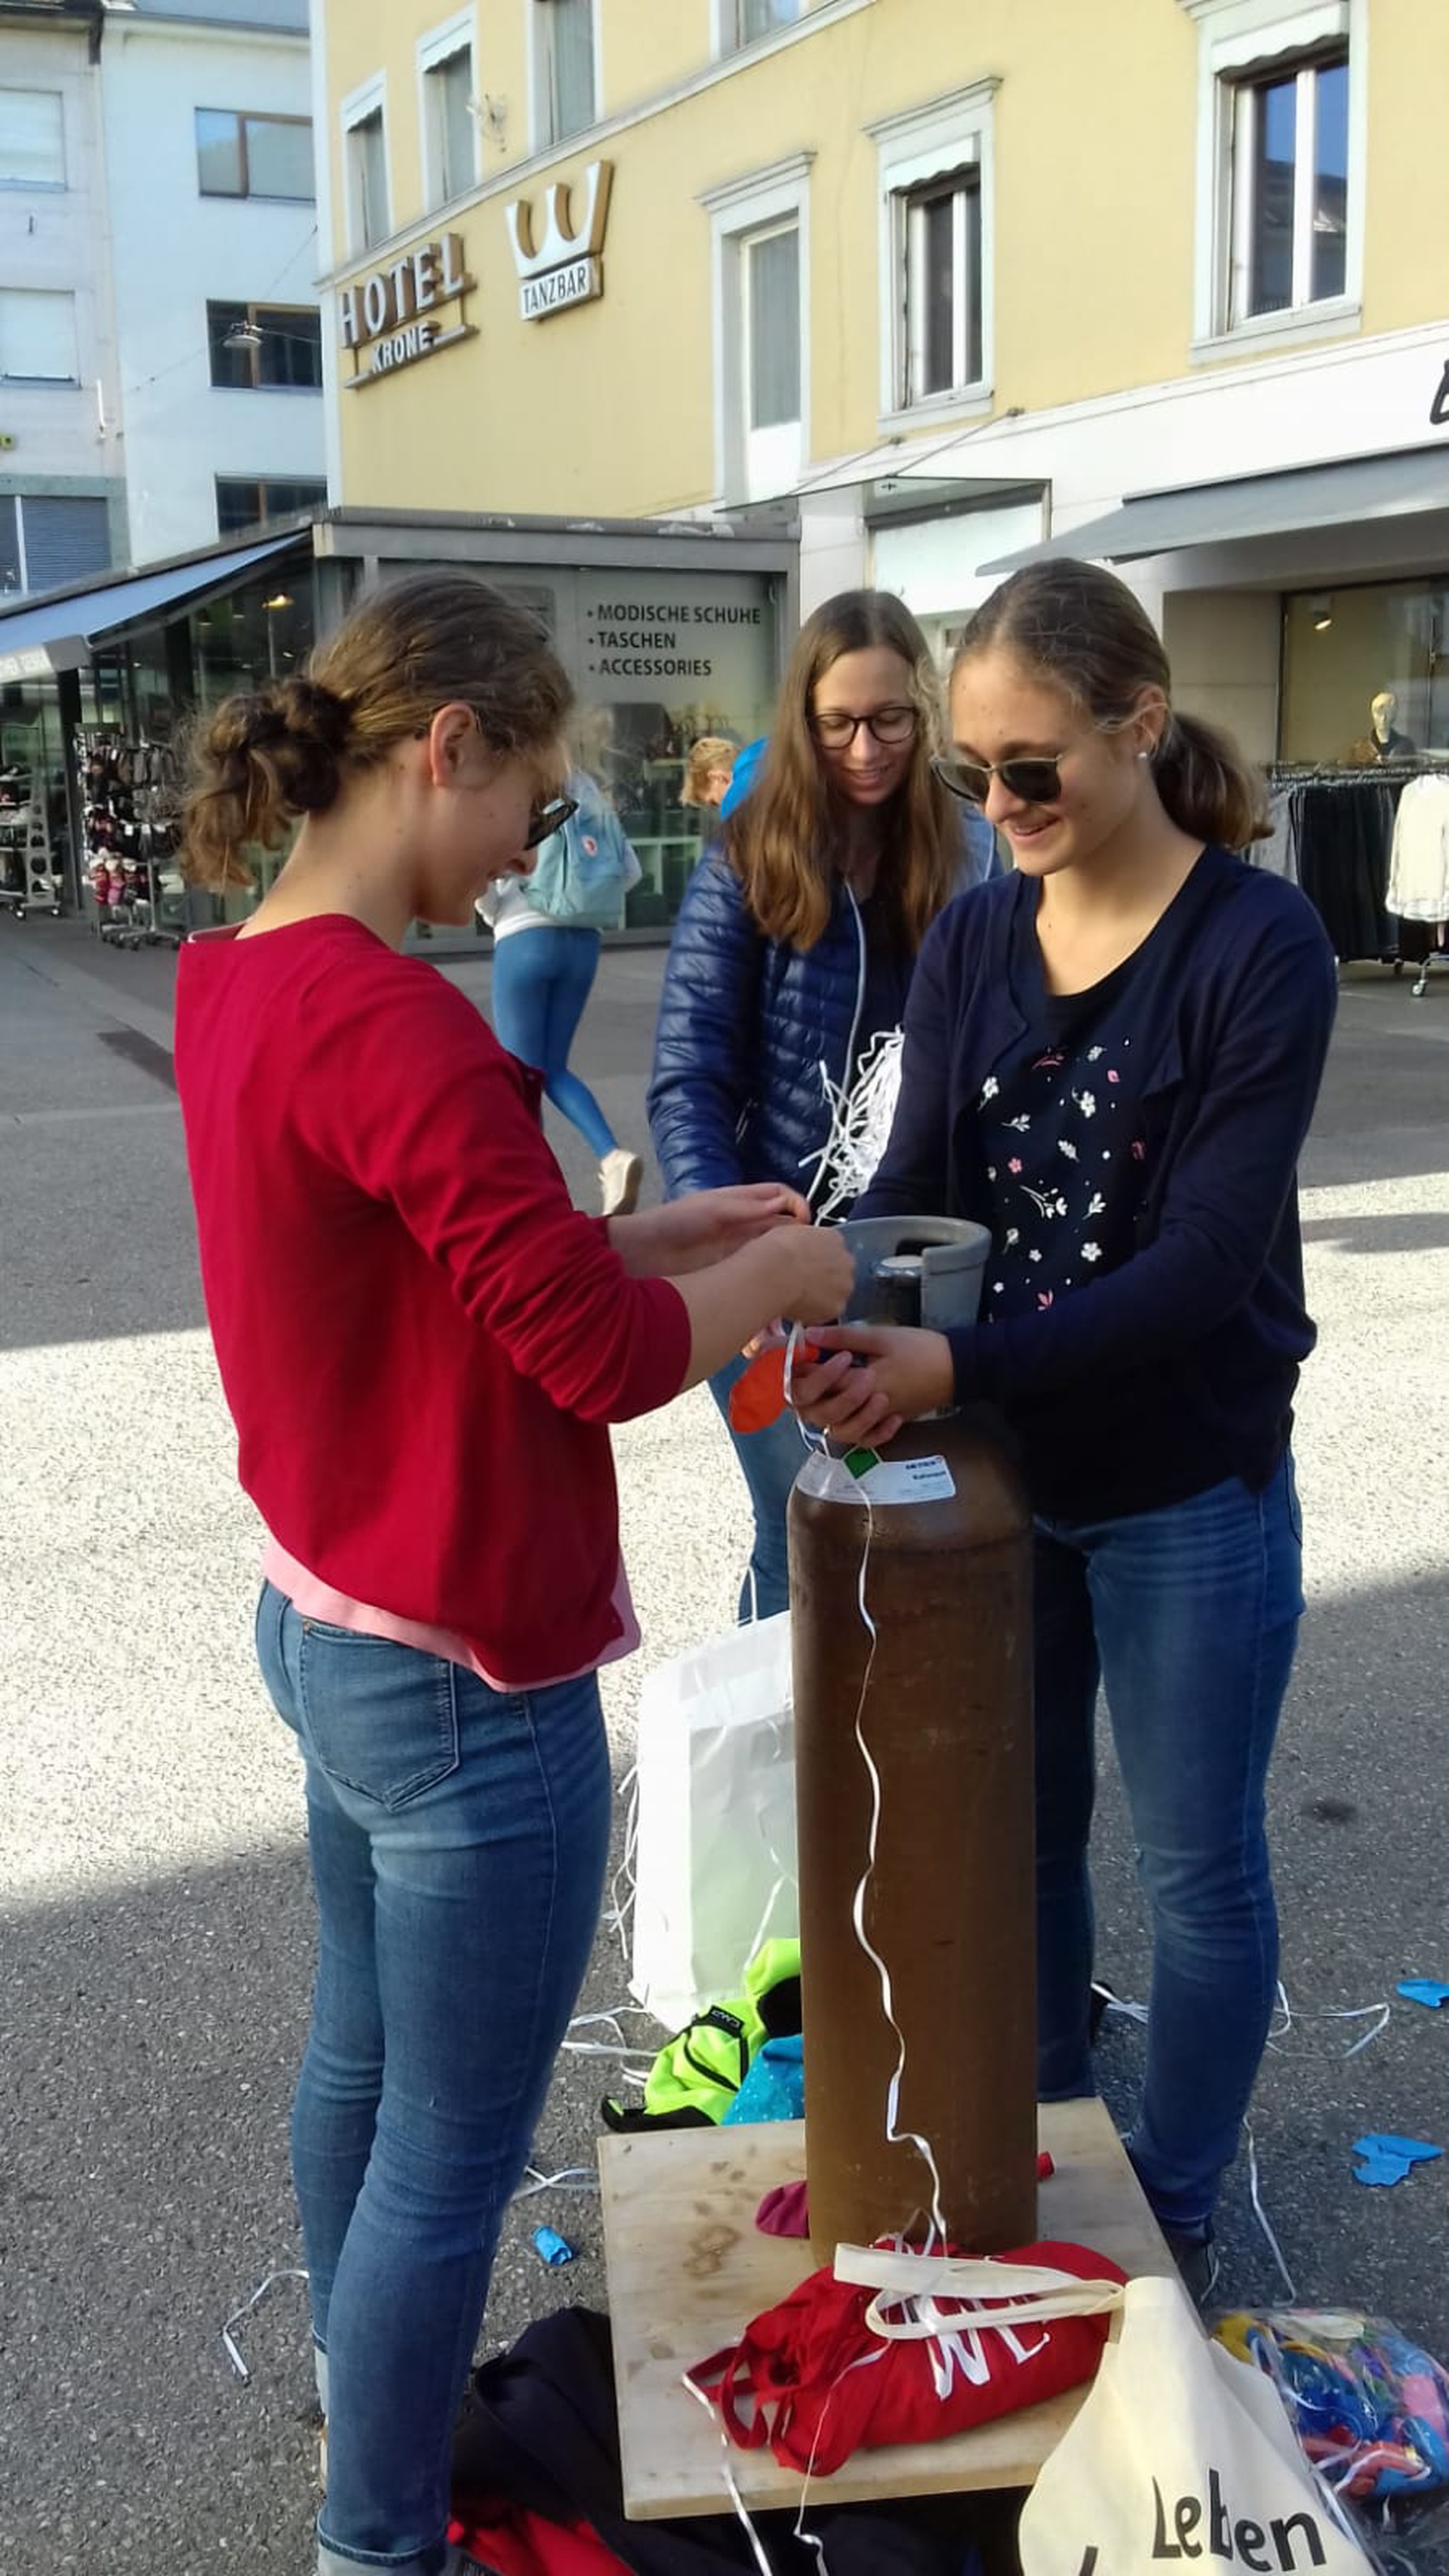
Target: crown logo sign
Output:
[(563, 266)]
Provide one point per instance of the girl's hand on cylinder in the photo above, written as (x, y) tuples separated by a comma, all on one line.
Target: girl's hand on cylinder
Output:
[(707, 1226), (907, 1372)]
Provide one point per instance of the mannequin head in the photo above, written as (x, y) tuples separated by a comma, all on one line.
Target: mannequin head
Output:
[(1382, 711)]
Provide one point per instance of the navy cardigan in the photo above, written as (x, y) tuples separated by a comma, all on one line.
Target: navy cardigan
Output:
[(1190, 1350)]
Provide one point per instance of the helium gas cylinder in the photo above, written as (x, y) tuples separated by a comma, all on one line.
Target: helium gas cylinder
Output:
[(930, 1837)]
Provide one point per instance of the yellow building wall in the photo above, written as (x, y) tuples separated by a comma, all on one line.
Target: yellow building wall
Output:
[(609, 407)]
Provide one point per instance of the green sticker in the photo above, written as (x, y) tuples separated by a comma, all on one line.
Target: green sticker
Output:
[(861, 1461)]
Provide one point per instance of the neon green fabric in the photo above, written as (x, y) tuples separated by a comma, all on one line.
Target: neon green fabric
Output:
[(704, 2065)]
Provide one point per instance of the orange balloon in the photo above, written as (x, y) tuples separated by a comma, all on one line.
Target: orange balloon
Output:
[(758, 1398)]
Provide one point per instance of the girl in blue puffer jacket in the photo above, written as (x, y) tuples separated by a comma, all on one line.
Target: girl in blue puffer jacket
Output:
[(793, 953)]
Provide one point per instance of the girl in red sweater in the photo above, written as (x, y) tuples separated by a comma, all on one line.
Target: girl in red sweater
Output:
[(422, 1345)]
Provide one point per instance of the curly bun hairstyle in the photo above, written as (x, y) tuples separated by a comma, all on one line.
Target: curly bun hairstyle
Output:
[(272, 754), (1081, 629)]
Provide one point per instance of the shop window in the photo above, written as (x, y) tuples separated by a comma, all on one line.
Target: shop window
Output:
[(364, 133), (37, 336), (254, 156), (450, 134), (265, 347), (50, 538), (934, 165), (1282, 122), (565, 69), (32, 139), (1366, 673), (243, 503), (1289, 152), (761, 265)]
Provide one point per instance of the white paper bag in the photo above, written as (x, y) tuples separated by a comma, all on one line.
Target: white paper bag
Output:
[(715, 1865), (1179, 2453)]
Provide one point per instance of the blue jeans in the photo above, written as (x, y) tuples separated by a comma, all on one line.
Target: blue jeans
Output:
[(458, 1840), (771, 1461), (1189, 1618), (541, 981)]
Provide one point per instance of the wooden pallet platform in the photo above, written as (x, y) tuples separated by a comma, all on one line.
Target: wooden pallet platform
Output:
[(688, 2269)]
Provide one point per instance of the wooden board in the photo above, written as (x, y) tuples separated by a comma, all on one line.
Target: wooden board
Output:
[(688, 2269)]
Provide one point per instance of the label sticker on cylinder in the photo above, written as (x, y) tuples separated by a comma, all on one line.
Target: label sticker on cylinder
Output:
[(909, 1480)]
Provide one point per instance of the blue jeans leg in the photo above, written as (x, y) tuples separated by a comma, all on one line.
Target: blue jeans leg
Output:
[(1194, 1614), (458, 1840), (541, 981), (770, 1460)]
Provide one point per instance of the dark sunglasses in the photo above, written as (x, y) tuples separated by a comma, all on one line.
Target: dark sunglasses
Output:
[(1037, 780), (549, 819)]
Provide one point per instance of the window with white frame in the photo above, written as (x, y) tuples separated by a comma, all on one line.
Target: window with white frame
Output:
[(1288, 143), (364, 137), (450, 132), (1282, 116), (37, 336), (744, 22), (32, 139), (761, 263), (565, 69), (934, 166)]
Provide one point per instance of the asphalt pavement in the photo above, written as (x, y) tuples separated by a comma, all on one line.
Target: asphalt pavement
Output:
[(157, 1930)]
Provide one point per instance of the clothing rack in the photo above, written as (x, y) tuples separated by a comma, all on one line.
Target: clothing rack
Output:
[(1334, 829)]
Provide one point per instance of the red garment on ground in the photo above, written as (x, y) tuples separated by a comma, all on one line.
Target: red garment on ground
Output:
[(510, 2541), (818, 2385), (420, 1338)]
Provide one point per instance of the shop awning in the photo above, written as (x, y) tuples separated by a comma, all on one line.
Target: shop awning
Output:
[(1256, 505), (57, 634)]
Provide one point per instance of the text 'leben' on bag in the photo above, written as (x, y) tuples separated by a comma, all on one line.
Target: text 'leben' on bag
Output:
[(715, 1864)]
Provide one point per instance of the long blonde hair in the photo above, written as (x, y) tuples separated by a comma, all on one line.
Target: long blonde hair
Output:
[(783, 837), (409, 647)]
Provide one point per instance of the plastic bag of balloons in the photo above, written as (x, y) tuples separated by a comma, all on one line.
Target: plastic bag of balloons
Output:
[(1370, 2407)]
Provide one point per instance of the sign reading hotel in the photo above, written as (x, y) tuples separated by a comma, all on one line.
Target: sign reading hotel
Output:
[(400, 314), (566, 266)]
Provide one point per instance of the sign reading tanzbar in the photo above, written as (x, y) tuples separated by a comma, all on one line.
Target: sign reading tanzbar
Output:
[(566, 265), (400, 314)]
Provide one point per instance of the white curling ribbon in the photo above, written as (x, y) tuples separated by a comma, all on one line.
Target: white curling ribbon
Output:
[(862, 1114)]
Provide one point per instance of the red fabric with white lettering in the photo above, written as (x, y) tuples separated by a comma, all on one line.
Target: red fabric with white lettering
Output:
[(811, 2379)]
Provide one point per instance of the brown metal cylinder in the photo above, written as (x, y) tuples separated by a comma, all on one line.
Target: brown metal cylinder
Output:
[(945, 1709)]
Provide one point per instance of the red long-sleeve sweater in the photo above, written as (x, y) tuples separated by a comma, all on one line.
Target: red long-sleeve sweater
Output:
[(420, 1339)]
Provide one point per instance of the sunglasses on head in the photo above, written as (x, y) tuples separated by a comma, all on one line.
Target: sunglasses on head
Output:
[(837, 730), (1036, 780), (549, 819)]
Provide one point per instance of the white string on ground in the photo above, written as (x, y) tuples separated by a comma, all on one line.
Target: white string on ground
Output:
[(568, 2178), (1377, 2015), (286, 2272), (757, 2546), (1260, 2213)]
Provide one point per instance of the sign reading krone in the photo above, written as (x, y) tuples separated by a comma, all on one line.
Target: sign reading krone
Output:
[(397, 314), (565, 266)]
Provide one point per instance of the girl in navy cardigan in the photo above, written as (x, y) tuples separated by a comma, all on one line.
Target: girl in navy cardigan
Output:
[(1111, 1060)]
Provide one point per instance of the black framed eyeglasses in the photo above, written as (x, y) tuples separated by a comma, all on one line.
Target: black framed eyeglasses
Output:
[(836, 730), (549, 819), (1036, 779)]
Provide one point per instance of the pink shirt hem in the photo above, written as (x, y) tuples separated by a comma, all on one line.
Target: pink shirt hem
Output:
[(317, 1600)]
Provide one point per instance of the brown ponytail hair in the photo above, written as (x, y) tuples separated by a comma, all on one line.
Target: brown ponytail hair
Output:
[(408, 648), (1083, 631), (781, 839)]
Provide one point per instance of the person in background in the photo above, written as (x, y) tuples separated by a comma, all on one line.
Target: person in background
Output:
[(1111, 1060), (422, 1344), (794, 950), (545, 962), (708, 770)]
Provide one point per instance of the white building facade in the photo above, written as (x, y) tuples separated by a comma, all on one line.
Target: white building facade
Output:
[(160, 355)]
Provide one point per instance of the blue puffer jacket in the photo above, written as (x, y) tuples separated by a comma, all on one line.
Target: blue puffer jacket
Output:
[(746, 1026)]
